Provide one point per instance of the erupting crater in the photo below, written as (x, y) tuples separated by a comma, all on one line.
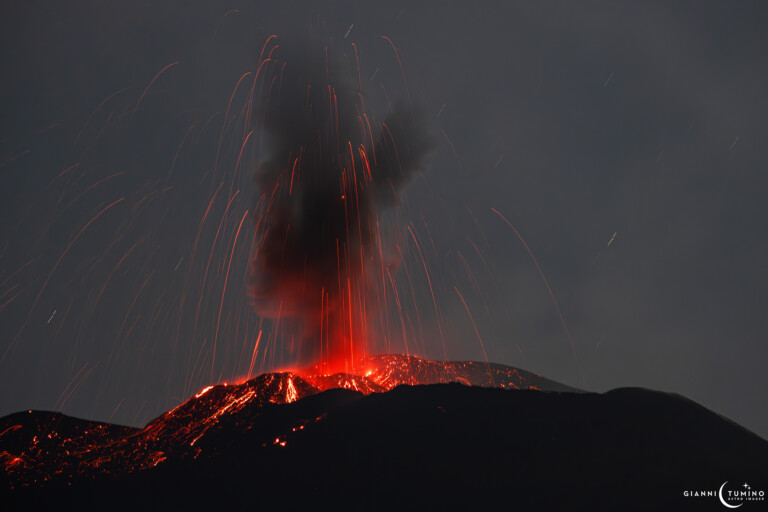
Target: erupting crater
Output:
[(38, 447)]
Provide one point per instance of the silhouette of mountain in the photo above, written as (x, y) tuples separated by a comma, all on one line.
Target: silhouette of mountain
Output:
[(291, 440)]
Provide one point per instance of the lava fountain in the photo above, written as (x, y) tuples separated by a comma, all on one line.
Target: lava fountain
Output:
[(331, 170)]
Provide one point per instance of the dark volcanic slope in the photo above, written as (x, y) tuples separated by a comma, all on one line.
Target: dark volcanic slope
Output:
[(390, 371), (434, 446), (38, 447)]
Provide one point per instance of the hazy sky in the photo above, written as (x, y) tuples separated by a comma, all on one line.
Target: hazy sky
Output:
[(622, 140)]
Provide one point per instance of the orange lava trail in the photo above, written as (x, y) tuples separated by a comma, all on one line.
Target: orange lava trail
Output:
[(178, 151), (78, 196), (224, 291), (109, 277), (253, 356), (226, 116), (216, 30), (237, 164), (210, 257), (477, 333), (183, 297), (402, 71), (549, 290), (146, 89), (432, 291), (94, 112)]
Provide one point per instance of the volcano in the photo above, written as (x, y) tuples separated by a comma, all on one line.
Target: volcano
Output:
[(406, 433)]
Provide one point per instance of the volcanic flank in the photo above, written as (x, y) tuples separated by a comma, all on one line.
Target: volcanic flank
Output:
[(460, 431), (38, 446)]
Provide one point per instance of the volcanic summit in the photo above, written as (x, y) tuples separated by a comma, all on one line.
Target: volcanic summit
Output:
[(406, 432)]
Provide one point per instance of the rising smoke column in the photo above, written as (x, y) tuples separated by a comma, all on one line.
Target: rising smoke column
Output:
[(331, 170)]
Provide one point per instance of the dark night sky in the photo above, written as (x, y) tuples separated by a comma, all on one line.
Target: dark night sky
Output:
[(576, 120)]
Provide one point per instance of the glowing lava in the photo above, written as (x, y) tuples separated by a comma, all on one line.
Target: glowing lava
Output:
[(36, 447)]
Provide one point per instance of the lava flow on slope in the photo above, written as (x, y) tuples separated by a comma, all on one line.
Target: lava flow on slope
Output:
[(38, 447)]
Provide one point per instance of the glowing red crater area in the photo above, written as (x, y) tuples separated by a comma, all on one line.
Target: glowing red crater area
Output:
[(38, 447)]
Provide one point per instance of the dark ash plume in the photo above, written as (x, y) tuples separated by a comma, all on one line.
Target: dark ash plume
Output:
[(332, 168)]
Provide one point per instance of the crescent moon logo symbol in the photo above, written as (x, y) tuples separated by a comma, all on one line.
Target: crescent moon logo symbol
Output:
[(720, 494)]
